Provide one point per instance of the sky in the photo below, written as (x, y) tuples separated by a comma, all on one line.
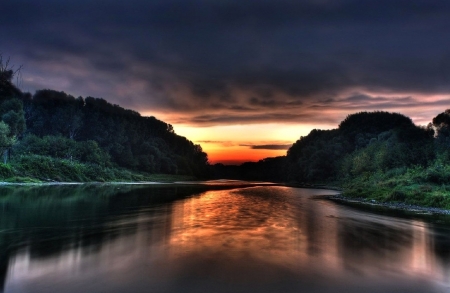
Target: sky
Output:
[(242, 78)]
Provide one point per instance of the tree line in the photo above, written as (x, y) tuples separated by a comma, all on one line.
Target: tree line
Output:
[(364, 144), (91, 130)]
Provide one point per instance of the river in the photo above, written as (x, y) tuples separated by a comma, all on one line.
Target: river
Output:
[(217, 237)]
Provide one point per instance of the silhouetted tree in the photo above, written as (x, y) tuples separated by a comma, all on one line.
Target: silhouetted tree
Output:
[(7, 73)]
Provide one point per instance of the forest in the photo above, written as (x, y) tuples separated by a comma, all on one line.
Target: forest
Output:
[(374, 155), (54, 136)]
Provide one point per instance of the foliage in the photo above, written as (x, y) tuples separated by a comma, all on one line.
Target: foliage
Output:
[(426, 186), (131, 141), (49, 169), (363, 144), (11, 112), (6, 171), (379, 155), (63, 148), (5, 139), (90, 130), (7, 74)]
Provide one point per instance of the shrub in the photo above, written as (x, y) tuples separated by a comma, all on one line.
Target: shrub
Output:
[(6, 171), (396, 195)]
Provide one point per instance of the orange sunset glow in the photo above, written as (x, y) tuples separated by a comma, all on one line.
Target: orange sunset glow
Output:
[(236, 144)]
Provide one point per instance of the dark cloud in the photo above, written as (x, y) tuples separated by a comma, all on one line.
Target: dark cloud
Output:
[(269, 146), (275, 145), (221, 142), (235, 61), (212, 119), (369, 102), (212, 141)]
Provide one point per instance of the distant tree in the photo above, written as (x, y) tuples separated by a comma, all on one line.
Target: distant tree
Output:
[(11, 112), (12, 115), (441, 124), (7, 74), (6, 140)]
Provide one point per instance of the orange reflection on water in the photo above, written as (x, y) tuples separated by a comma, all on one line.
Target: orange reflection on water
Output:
[(259, 226), (422, 258)]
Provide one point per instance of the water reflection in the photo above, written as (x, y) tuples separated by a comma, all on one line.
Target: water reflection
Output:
[(190, 238)]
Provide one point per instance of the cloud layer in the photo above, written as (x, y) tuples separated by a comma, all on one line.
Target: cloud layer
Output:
[(270, 146), (208, 62)]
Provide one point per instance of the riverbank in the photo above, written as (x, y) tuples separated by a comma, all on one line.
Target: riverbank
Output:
[(418, 186), (391, 205), (72, 172), (414, 190), (415, 187), (50, 170), (147, 179)]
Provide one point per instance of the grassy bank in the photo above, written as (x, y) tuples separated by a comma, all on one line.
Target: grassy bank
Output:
[(429, 187), (34, 168)]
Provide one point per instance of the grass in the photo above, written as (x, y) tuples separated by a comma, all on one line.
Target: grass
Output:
[(429, 187), (35, 169)]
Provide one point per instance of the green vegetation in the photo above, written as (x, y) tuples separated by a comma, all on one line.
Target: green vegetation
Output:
[(379, 155), (36, 168), (415, 186), (52, 136)]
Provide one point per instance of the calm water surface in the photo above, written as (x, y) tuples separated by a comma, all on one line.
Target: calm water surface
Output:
[(213, 238)]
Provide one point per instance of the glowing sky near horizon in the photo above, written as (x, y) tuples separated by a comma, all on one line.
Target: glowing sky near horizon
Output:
[(234, 144), (243, 78)]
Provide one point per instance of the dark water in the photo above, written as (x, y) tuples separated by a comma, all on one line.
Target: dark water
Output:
[(212, 239)]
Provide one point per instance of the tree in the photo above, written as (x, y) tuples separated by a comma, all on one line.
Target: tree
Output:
[(12, 116), (7, 74), (11, 112), (441, 125), (6, 140)]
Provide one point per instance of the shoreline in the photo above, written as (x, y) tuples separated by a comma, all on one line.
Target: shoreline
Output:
[(2, 183), (368, 202), (238, 183), (212, 183), (391, 205)]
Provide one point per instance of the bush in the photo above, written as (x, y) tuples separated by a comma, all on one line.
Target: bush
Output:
[(6, 171), (63, 148), (438, 200), (396, 195)]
